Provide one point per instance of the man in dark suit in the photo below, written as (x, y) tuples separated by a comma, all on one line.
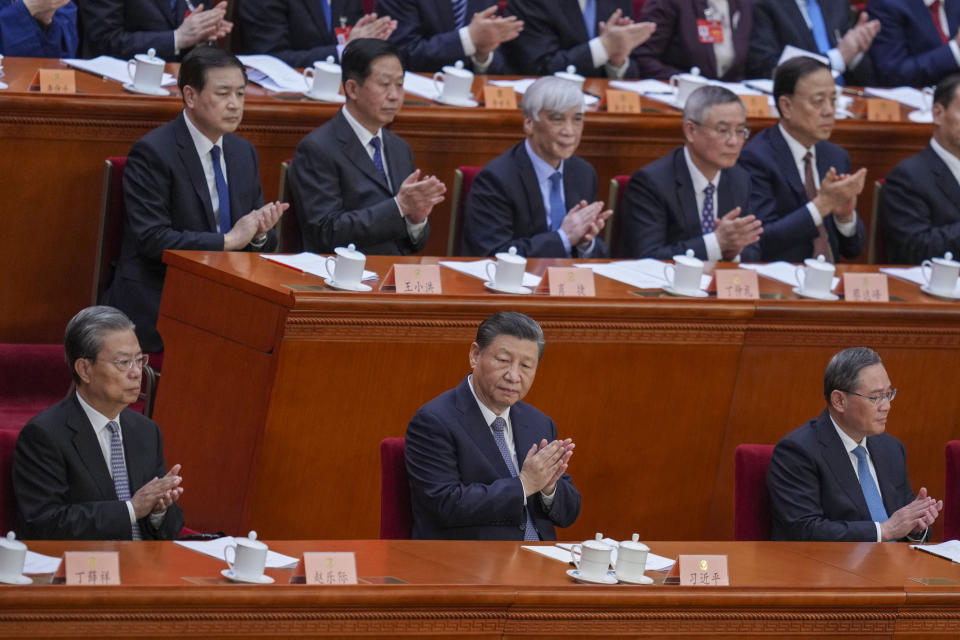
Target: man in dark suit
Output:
[(840, 477), (692, 198), (88, 468), (535, 196), (190, 184), (679, 45), (38, 28), (818, 26), (595, 36), (920, 202), (482, 464), (353, 180), (300, 32), (919, 43), (802, 190), (124, 28), (434, 33)]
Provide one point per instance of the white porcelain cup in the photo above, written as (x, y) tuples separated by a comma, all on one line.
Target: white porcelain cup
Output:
[(815, 276), (941, 273), (571, 75), (249, 557), (687, 83), (346, 269), (146, 70), (632, 559), (323, 78), (507, 272), (457, 82), (13, 553), (684, 274), (592, 557)]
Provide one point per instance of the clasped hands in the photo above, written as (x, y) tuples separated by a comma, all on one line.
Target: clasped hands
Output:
[(583, 222), (488, 31), (838, 193), (544, 465), (912, 519), (202, 26), (620, 35), (158, 494), (417, 197), (254, 224)]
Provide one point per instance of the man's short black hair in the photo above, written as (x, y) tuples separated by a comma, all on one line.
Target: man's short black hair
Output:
[(510, 323), (358, 56), (787, 75), (193, 69), (946, 90)]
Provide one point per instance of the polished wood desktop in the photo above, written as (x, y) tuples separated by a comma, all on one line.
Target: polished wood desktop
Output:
[(498, 590), (54, 147), (277, 390)]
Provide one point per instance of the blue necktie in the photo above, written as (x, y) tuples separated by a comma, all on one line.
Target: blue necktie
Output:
[(499, 424), (558, 210), (223, 194), (870, 492), (708, 219), (459, 12), (818, 26), (118, 469), (590, 18), (327, 14), (378, 159)]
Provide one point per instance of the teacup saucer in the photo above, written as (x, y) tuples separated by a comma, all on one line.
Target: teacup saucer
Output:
[(229, 575), (16, 580), (816, 296), (924, 117), (609, 578), (640, 580), (3, 85), (453, 102), (159, 91), (347, 287), (498, 289), (326, 97), (936, 294), (687, 293)]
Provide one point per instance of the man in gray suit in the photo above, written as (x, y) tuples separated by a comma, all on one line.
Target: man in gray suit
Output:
[(354, 181)]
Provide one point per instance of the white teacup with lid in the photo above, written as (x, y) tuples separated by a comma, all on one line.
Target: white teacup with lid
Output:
[(571, 75), (632, 561), (346, 269), (941, 275), (13, 554), (684, 274), (146, 74), (687, 83), (457, 83), (2, 84), (507, 272), (815, 277), (592, 558), (323, 80), (249, 559)]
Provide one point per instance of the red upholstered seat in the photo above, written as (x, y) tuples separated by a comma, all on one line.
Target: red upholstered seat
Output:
[(462, 181), (637, 8), (951, 494), (751, 515), (32, 377), (395, 513), (8, 509)]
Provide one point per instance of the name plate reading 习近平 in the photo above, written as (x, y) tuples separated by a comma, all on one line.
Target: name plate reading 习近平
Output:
[(703, 571)]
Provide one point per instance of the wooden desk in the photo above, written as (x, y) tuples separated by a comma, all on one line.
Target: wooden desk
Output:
[(277, 390), (498, 590), (54, 148)]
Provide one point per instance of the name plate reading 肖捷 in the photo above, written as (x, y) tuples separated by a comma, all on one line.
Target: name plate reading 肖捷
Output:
[(568, 282)]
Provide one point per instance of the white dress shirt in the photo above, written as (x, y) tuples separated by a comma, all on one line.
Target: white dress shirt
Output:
[(204, 146), (952, 161), (700, 183), (722, 51), (850, 444), (599, 54), (836, 60)]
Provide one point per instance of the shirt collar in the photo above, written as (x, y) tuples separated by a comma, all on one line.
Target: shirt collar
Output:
[(361, 131), (848, 443), (540, 166), (200, 141), (952, 161), (700, 181), (97, 419), (488, 415), (797, 150), (928, 3)]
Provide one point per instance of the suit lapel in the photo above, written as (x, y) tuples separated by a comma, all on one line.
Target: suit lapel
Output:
[(794, 17), (523, 434), (88, 449), (313, 7), (838, 460), (952, 8), (531, 188), (689, 214), (355, 153), (574, 17), (443, 10), (393, 162), (945, 180), (726, 199), (474, 425), (233, 178), (784, 159), (883, 465), (191, 164)]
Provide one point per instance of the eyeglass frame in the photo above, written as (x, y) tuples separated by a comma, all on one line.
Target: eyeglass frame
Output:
[(143, 358), (886, 395), (732, 133)]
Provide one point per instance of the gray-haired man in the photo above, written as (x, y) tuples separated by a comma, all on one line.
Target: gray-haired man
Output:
[(693, 197), (88, 468), (840, 477), (538, 196)]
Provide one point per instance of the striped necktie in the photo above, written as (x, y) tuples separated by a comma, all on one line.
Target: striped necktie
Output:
[(499, 424), (459, 12), (118, 469)]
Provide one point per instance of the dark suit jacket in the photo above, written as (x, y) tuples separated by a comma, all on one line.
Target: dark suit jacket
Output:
[(920, 209), (168, 207), (659, 215), (294, 30), (341, 197), (122, 29), (21, 35), (777, 23), (908, 50), (555, 36), (814, 492), (427, 36), (459, 484), (780, 201), (63, 487), (505, 207), (675, 46)]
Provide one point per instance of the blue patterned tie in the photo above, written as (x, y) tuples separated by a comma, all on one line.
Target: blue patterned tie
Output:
[(499, 424), (327, 14), (118, 470), (558, 210), (378, 158), (460, 12), (223, 194), (870, 492), (707, 218), (590, 18), (818, 26)]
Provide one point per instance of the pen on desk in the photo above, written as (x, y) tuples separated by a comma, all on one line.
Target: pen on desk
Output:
[(853, 92)]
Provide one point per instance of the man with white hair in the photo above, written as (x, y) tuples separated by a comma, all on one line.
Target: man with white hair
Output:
[(538, 196)]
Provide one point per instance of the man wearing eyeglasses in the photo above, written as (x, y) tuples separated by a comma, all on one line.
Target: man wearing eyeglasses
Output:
[(88, 468), (696, 197), (840, 477)]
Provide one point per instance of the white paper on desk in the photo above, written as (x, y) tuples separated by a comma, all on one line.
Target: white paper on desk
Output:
[(308, 263), (279, 72), (214, 549), (521, 86), (654, 562), (645, 273), (781, 272), (763, 85), (553, 552), (949, 549), (904, 95), (112, 68), (39, 563), (415, 83), (478, 269), (914, 275), (644, 87), (790, 52)]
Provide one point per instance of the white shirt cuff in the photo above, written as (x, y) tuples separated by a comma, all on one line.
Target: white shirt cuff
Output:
[(133, 514), (340, 48), (565, 240), (547, 500), (856, 60), (414, 229), (815, 214), (468, 47), (598, 53), (836, 60), (713, 247), (847, 229), (879, 536), (176, 45), (589, 250), (157, 518), (955, 50)]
